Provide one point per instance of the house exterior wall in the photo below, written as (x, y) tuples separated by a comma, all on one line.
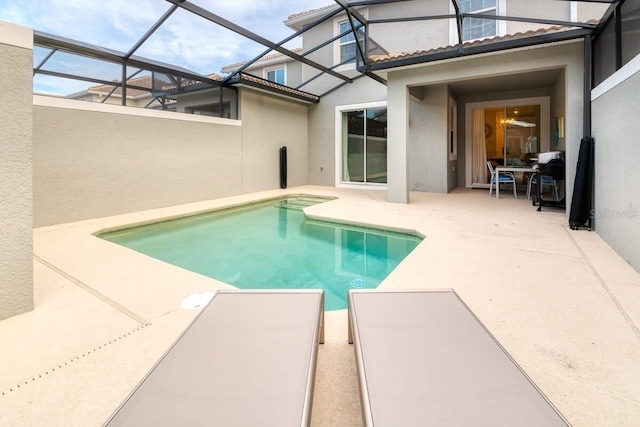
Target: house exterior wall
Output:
[(269, 123), (16, 213), (406, 36), (322, 126), (542, 9), (428, 156), (293, 73), (561, 55), (586, 11), (409, 36), (94, 160), (293, 70), (617, 177)]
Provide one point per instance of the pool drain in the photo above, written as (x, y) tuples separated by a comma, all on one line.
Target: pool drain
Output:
[(197, 300), (358, 283)]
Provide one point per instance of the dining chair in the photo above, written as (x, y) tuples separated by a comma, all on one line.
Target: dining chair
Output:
[(498, 178), (546, 180)]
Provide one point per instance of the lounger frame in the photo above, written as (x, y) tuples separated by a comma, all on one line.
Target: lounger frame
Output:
[(153, 396), (354, 337)]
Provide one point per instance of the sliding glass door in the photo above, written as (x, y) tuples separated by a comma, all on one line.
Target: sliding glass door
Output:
[(505, 132), (503, 135), (364, 146)]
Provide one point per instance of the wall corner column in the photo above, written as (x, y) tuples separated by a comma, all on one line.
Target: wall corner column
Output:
[(397, 143), (16, 169)]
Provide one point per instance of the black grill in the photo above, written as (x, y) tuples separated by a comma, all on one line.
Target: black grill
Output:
[(554, 167)]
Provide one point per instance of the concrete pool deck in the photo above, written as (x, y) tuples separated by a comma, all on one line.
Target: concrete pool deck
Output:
[(562, 302)]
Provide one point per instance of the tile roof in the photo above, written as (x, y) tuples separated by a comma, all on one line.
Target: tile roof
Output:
[(309, 12), (251, 80), (260, 82), (144, 81), (191, 82), (486, 41)]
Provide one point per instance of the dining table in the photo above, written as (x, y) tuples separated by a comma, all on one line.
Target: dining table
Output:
[(525, 169)]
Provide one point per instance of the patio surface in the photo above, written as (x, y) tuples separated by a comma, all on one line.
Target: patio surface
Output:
[(562, 303)]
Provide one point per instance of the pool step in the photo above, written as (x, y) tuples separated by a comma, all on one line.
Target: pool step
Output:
[(297, 204)]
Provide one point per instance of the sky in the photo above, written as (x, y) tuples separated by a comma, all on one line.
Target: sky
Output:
[(184, 40)]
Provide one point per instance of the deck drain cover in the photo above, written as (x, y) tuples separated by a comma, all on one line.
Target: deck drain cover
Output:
[(197, 300)]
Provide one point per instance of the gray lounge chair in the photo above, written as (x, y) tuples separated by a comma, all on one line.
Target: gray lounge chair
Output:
[(247, 359), (424, 359)]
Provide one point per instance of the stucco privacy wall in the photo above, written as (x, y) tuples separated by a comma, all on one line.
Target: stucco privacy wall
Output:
[(16, 268), (567, 55), (617, 176), (269, 123), (94, 160)]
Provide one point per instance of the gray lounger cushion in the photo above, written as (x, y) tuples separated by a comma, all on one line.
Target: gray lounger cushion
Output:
[(247, 359), (424, 359)]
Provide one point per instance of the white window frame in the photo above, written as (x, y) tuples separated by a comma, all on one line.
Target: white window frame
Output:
[(336, 45), (501, 9), (283, 67), (453, 129), (340, 109)]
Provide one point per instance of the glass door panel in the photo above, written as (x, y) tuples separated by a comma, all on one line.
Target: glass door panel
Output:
[(364, 146), (353, 148), (376, 145), (521, 134)]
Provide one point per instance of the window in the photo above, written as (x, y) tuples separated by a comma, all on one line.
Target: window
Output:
[(276, 75), (364, 146), (348, 49), (476, 28)]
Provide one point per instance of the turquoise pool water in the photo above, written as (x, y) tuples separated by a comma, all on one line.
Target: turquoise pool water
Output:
[(273, 245)]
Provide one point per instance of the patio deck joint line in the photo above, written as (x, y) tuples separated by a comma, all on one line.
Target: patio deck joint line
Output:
[(606, 288), (73, 359), (95, 293)]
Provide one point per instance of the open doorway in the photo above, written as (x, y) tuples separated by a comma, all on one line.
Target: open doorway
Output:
[(509, 132)]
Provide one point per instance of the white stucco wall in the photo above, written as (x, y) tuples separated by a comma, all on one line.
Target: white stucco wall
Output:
[(428, 155), (94, 160), (269, 123), (16, 266), (616, 108)]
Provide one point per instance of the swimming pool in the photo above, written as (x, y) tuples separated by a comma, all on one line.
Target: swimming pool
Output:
[(272, 244)]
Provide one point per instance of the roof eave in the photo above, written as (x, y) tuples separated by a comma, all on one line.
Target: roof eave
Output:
[(258, 64), (273, 89), (461, 51), (299, 22)]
